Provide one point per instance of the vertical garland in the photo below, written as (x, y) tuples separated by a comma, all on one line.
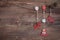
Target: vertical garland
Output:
[(44, 33), (50, 18), (38, 24)]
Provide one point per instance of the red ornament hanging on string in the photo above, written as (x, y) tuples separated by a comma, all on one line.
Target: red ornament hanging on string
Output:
[(44, 32), (37, 25), (44, 7), (50, 19)]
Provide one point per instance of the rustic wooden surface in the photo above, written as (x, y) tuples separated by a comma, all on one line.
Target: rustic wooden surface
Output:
[(16, 23)]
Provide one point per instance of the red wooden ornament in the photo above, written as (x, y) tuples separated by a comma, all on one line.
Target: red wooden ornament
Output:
[(44, 7), (44, 32), (50, 19), (37, 25)]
